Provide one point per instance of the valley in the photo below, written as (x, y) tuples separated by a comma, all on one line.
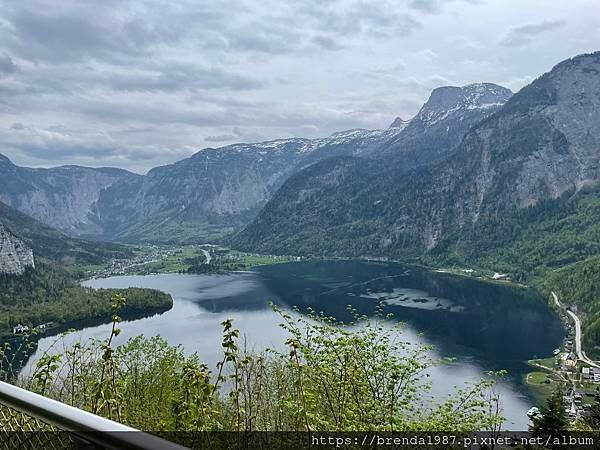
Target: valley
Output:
[(202, 258), (466, 222)]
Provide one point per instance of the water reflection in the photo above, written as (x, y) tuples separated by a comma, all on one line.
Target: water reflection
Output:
[(484, 326)]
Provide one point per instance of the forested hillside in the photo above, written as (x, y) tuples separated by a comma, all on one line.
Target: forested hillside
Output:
[(578, 285), (49, 291), (552, 245), (51, 244), (46, 295), (528, 242)]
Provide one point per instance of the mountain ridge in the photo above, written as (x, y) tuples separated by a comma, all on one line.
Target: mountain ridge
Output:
[(216, 190), (538, 145)]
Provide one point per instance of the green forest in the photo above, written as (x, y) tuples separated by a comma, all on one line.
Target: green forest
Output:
[(528, 242), (45, 295), (578, 285), (552, 246)]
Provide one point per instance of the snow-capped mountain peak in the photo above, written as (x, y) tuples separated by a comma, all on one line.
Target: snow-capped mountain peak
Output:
[(448, 100)]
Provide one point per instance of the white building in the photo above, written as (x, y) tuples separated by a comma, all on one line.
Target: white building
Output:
[(20, 329)]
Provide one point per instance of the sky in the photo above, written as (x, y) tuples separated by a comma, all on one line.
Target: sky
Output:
[(137, 84)]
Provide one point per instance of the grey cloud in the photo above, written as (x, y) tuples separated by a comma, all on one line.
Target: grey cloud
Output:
[(74, 31), (122, 31), (63, 37), (383, 21), (176, 77), (424, 85), (45, 144), (428, 6), (249, 134), (167, 76), (220, 138), (117, 110), (346, 19), (7, 66), (435, 6), (263, 37), (523, 34), (156, 80), (130, 33), (326, 42)]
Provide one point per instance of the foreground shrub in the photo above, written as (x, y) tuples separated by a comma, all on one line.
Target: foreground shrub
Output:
[(329, 377)]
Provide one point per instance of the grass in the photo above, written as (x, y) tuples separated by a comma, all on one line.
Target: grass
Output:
[(534, 378), (539, 388), (547, 363), (173, 261), (169, 228), (252, 259), (176, 259)]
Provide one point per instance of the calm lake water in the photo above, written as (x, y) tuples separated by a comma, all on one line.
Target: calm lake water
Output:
[(484, 326)]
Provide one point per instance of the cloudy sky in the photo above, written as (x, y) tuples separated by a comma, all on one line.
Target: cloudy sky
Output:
[(136, 84)]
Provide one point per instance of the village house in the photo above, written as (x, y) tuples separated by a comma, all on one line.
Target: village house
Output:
[(19, 329), (591, 374), (500, 276), (569, 361)]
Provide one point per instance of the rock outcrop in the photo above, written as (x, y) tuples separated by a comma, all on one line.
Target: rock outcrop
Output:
[(15, 256)]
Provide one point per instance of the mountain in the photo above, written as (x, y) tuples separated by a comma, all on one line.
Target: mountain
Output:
[(220, 190), (353, 198), (442, 122), (399, 123), (541, 143), (214, 192), (61, 197)]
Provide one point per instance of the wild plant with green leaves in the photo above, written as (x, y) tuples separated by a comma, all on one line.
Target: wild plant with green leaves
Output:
[(327, 376)]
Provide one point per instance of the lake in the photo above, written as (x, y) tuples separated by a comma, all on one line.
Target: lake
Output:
[(485, 326)]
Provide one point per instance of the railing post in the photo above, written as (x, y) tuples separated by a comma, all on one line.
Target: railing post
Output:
[(86, 426)]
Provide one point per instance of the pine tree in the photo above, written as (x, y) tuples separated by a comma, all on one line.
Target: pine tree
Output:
[(552, 419), (593, 418)]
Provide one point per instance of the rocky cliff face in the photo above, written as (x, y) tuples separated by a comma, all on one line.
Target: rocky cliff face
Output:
[(62, 197), (458, 101), (15, 256), (541, 143), (442, 122)]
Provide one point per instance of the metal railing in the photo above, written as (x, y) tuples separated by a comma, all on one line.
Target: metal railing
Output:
[(29, 420)]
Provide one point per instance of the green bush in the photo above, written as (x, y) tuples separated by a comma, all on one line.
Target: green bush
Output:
[(331, 376)]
